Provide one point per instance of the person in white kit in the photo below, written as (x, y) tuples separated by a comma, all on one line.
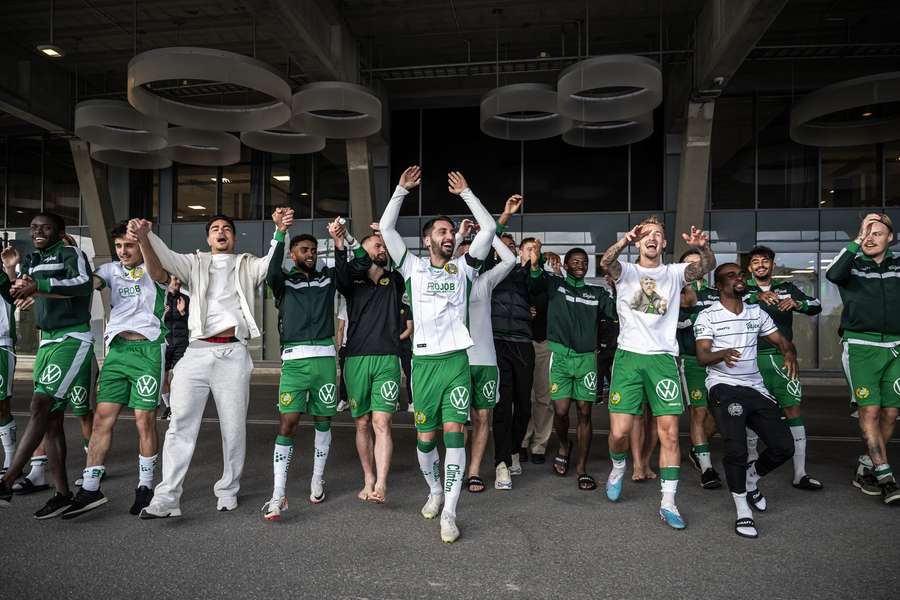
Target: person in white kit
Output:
[(10, 257), (439, 290), (223, 296), (483, 359), (133, 371)]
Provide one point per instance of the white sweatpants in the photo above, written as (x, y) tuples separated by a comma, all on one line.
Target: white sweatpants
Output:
[(220, 369)]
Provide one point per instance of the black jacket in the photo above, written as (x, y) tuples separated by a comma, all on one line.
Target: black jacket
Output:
[(177, 324), (511, 305)]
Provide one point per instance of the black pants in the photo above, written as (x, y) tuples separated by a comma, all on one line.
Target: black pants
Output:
[(515, 360), (736, 408), (406, 365)]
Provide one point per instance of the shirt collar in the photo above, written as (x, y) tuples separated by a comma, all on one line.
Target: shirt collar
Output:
[(51, 249), (575, 282)]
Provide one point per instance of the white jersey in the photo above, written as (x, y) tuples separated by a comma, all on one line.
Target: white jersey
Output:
[(7, 325), (740, 332), (439, 298), (482, 351), (647, 302), (137, 302)]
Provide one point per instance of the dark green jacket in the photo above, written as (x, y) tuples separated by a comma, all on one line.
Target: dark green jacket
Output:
[(784, 319), (688, 316), (64, 271), (573, 309), (869, 292)]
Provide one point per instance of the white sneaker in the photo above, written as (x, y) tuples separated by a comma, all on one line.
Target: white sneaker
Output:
[(516, 467), (502, 480), (317, 491), (226, 503), (449, 530), (273, 508), (432, 506), (343, 405), (154, 511)]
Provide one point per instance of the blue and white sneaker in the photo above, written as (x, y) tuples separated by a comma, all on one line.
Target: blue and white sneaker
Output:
[(671, 517), (614, 490)]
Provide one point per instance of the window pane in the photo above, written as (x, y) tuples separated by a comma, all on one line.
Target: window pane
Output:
[(195, 196), (801, 270), (731, 155), (61, 193), (23, 181), (850, 177), (647, 169), (892, 174), (405, 153), (237, 197), (788, 172), (279, 187), (332, 184)]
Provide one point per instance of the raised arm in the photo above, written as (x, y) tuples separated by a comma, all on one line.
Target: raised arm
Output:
[(409, 179), (259, 265), (481, 245), (154, 248), (139, 234), (498, 273), (274, 273), (609, 262), (838, 272), (700, 240)]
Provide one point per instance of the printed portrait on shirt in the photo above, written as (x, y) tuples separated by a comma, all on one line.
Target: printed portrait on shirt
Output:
[(647, 299)]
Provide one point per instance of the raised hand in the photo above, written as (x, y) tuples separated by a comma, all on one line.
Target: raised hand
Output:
[(139, 229), (181, 305), (376, 228), (866, 227), (411, 177), (554, 261), (10, 257), (278, 219), (287, 218), (697, 238), (467, 227), (456, 183), (338, 228), (513, 204), (636, 234)]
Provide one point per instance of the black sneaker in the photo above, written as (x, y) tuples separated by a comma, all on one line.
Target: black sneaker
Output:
[(709, 479), (890, 492), (867, 483), (83, 502), (6, 494), (142, 497), (695, 461), (55, 506)]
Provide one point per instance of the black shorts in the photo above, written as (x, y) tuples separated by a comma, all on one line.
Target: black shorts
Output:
[(173, 355)]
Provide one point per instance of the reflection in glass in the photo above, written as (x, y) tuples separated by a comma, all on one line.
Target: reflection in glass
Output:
[(405, 153), (332, 183), (23, 181), (61, 192), (195, 196), (787, 172), (647, 168), (732, 159), (891, 157), (237, 192), (850, 177)]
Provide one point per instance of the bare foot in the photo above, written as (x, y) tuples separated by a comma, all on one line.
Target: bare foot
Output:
[(378, 495), (650, 473), (365, 493), (639, 473)]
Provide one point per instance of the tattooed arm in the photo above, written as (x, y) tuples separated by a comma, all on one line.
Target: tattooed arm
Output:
[(699, 240), (609, 262)]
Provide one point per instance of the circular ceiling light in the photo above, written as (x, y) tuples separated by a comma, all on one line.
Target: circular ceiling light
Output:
[(336, 109), (606, 134), (283, 140), (202, 147), (609, 88), (115, 124), (522, 111), (130, 159), (841, 114), (208, 65)]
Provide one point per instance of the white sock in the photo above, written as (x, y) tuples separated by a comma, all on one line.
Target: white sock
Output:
[(618, 470), (323, 445), (146, 468), (668, 487), (91, 476), (864, 463), (740, 503), (281, 462), (165, 398), (752, 477), (8, 438), (705, 461), (752, 441), (799, 433), (430, 465), (36, 474), (454, 467)]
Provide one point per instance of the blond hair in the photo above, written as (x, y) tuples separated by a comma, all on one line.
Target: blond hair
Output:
[(654, 220)]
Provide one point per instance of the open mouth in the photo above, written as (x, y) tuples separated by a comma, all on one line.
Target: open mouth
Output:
[(39, 239)]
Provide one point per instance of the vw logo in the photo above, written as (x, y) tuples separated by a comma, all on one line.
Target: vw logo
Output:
[(793, 388), (389, 390), (326, 394), (146, 385), (897, 386), (489, 389), (77, 395), (590, 381), (51, 374), (667, 390), (459, 397), (2, 382)]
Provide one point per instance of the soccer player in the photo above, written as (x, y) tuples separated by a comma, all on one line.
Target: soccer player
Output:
[(573, 313), (305, 300), (727, 336), (10, 258), (696, 296), (868, 276), (647, 298), (223, 288), (63, 361), (439, 288), (133, 371), (781, 299)]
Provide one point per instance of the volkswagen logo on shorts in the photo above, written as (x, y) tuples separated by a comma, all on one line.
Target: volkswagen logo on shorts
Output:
[(2, 381), (146, 385), (735, 409), (590, 381), (77, 395), (793, 387), (326, 394), (459, 397), (667, 390), (389, 390), (489, 389), (897, 386), (51, 374)]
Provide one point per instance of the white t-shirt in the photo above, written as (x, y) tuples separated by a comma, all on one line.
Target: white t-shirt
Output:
[(341, 309), (137, 303), (439, 300), (223, 307), (740, 332), (647, 302)]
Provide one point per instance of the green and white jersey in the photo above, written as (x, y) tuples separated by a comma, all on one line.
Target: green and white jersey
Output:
[(7, 318), (439, 297), (137, 302)]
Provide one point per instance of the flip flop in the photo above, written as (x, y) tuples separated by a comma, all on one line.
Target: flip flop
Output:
[(478, 484), (808, 483), (24, 486), (586, 483), (561, 465)]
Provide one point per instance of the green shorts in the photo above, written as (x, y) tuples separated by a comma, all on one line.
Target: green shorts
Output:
[(132, 374), (441, 387), (693, 376), (485, 381), (7, 371), (62, 370), (373, 383), (873, 373), (639, 378), (308, 386), (786, 390), (573, 375)]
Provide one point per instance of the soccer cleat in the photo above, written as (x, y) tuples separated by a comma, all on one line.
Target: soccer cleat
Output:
[(516, 467), (54, 507), (317, 491), (83, 502), (746, 528), (6, 494), (273, 508), (614, 490), (867, 483), (757, 500), (432, 506), (502, 480), (142, 497), (695, 460), (226, 503), (890, 492), (449, 530), (709, 479), (671, 517)]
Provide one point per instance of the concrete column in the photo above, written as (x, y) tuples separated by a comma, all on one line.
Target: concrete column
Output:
[(98, 210), (362, 190), (694, 175)]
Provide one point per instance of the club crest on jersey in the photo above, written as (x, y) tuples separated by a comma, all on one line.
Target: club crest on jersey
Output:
[(136, 273), (451, 268), (284, 399), (554, 388), (862, 392), (696, 394), (420, 418), (384, 281), (735, 409), (615, 398)]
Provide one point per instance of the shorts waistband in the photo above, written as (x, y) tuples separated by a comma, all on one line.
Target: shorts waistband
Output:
[(220, 339)]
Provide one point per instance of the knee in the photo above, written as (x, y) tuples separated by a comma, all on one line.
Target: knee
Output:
[(381, 426), (362, 423), (584, 412), (783, 450), (40, 403), (145, 423)]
